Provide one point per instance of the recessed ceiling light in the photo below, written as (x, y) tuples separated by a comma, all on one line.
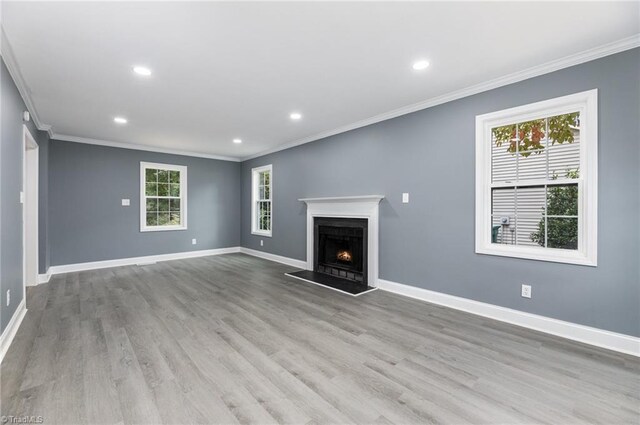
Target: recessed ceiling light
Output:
[(120, 120), (237, 141), (420, 65), (295, 116), (142, 70)]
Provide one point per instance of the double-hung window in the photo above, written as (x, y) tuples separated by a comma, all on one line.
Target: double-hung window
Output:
[(536, 181), (261, 196), (163, 197)]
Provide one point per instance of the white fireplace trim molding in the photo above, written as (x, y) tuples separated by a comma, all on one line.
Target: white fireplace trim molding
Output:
[(347, 207)]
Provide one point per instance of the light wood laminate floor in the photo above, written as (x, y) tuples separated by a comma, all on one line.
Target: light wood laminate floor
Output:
[(230, 339)]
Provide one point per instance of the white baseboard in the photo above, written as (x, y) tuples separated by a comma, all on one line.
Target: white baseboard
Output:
[(12, 328), (593, 336), (277, 258), (610, 340), (42, 278), (149, 259), (598, 337)]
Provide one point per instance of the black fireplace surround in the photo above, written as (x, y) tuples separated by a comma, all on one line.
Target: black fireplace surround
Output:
[(340, 248)]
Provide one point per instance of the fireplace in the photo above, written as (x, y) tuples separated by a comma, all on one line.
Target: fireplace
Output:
[(340, 248), (342, 243)]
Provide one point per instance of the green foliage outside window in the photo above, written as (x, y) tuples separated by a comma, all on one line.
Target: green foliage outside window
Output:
[(532, 133), (562, 232), (265, 217), (527, 138), (264, 211), (162, 189)]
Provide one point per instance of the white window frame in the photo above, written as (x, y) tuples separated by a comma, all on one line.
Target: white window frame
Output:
[(143, 197), (255, 173), (586, 103)]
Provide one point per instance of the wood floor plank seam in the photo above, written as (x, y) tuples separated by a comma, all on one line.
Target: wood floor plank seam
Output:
[(230, 339)]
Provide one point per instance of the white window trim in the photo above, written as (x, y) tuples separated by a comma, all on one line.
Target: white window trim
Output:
[(143, 197), (254, 189), (587, 104)]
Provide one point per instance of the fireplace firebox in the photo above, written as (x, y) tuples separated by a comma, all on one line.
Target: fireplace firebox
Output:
[(340, 248)]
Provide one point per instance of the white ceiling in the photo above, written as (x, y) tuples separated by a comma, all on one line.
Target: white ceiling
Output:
[(236, 70)]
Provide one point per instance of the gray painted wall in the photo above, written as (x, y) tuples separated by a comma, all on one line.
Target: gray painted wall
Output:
[(88, 223), (429, 243), (11, 155), (43, 201)]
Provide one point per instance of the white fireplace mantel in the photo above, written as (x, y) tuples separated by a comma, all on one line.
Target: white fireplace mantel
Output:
[(351, 207), (363, 198)]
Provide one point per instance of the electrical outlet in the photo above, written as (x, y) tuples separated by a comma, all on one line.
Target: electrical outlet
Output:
[(261, 242), (526, 291), (126, 202), (194, 241), (8, 297)]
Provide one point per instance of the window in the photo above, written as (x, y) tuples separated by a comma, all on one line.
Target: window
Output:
[(261, 196), (536, 180), (163, 197)]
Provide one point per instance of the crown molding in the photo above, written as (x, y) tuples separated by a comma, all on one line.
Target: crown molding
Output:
[(137, 147), (548, 67), (14, 70), (545, 68)]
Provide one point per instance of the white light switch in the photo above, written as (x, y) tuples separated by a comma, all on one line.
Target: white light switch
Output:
[(22, 197), (126, 202), (194, 241), (405, 198)]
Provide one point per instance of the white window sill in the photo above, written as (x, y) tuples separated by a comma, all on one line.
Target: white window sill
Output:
[(258, 233), (566, 256), (162, 228)]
